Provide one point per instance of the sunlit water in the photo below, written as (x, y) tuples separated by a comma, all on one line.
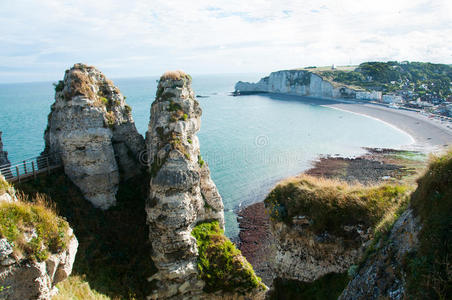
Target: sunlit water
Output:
[(249, 142)]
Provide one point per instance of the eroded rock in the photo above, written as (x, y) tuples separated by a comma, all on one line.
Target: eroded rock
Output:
[(90, 127), (182, 194)]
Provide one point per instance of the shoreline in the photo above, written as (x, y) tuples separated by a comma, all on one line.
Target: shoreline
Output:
[(428, 135), (377, 165)]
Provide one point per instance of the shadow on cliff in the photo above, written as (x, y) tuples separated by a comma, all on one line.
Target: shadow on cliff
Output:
[(114, 252)]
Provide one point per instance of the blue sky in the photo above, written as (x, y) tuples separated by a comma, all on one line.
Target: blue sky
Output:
[(40, 39)]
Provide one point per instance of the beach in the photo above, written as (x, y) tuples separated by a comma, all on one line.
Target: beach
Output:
[(429, 134)]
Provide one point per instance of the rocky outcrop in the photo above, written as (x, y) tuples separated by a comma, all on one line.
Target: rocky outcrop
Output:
[(27, 279), (182, 194), (90, 127), (22, 275), (382, 275), (3, 154), (305, 256), (295, 82), (181, 191), (7, 192)]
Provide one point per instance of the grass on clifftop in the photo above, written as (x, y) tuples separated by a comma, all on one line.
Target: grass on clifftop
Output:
[(430, 268), (33, 228), (77, 288), (4, 185), (331, 204), (220, 264)]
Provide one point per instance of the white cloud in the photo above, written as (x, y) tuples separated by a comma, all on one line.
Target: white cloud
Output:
[(134, 38)]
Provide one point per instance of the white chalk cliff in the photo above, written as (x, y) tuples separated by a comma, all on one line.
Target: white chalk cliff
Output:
[(295, 82), (181, 191), (91, 129)]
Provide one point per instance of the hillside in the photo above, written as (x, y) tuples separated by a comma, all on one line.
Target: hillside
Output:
[(423, 79)]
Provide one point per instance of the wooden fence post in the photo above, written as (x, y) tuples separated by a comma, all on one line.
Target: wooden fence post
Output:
[(33, 167), (48, 165), (17, 173), (25, 167)]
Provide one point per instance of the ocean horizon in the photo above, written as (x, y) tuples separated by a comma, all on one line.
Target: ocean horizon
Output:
[(250, 142)]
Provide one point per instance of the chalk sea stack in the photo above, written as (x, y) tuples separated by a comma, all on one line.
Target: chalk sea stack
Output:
[(90, 128), (182, 196)]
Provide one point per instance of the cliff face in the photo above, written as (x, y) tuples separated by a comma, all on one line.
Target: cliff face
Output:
[(181, 191), (91, 128), (322, 226), (182, 194), (28, 279), (3, 154), (295, 82), (305, 256), (382, 275)]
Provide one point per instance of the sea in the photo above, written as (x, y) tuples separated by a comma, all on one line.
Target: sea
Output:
[(250, 142)]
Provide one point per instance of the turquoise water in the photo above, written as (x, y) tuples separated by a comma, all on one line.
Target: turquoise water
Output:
[(249, 142)]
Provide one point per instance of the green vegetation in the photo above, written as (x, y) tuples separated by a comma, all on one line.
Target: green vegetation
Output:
[(200, 161), (220, 264), (77, 288), (390, 76), (113, 255), (330, 204), (59, 86), (128, 108), (4, 185), (173, 107), (429, 268), (328, 287), (111, 119), (103, 100), (18, 220)]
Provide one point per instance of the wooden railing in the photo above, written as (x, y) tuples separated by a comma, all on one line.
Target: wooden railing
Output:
[(30, 168)]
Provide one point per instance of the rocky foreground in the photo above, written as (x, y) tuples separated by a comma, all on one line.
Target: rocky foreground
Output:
[(259, 243)]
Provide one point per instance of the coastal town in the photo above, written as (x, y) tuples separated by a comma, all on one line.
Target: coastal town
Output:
[(424, 87)]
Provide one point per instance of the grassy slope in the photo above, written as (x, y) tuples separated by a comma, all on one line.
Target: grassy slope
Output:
[(330, 204), (19, 219)]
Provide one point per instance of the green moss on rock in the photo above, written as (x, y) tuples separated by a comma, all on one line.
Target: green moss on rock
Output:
[(220, 264)]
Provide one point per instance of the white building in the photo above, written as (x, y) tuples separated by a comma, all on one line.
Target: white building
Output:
[(391, 98), (374, 95)]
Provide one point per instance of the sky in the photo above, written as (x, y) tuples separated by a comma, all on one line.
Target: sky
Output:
[(40, 39)]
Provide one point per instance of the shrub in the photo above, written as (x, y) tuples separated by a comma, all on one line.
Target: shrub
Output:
[(59, 86), (111, 119), (330, 204), (128, 108), (200, 161), (220, 264), (18, 220)]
